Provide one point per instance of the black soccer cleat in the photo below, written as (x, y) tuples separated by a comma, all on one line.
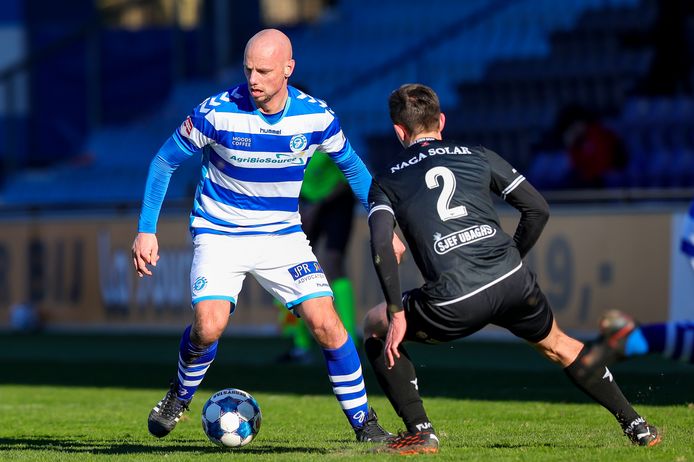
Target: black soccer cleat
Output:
[(641, 433), (166, 414), (371, 431), (407, 443)]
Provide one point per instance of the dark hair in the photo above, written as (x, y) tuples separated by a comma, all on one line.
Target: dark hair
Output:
[(416, 107)]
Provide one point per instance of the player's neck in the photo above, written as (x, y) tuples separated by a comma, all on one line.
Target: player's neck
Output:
[(424, 136), (276, 104)]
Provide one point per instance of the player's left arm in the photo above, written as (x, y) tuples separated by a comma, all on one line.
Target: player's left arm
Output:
[(515, 189)]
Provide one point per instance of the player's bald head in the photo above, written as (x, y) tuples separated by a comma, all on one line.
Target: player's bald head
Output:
[(270, 43)]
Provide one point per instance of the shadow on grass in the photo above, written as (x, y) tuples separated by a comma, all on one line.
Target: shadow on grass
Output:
[(44, 443), (462, 370)]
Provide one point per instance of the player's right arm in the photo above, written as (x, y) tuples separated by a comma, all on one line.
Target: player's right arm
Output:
[(381, 225), (189, 139)]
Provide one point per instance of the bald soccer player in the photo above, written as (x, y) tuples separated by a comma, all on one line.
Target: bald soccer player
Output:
[(254, 141)]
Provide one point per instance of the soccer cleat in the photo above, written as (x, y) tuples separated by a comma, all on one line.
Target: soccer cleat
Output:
[(641, 433), (371, 431), (406, 443), (166, 414), (615, 327)]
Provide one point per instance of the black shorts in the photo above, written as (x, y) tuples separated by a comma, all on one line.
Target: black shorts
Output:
[(515, 303)]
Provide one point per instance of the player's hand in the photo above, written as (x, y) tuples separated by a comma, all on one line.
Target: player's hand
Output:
[(396, 332), (398, 248), (145, 252)]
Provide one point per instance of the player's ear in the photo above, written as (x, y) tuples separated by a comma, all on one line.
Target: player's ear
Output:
[(289, 68), (401, 133), (442, 122)]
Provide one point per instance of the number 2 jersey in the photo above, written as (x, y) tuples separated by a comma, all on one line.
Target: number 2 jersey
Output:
[(439, 194)]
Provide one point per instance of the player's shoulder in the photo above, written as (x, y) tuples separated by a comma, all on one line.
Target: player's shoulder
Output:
[(419, 155), (456, 146), (232, 100), (302, 104)]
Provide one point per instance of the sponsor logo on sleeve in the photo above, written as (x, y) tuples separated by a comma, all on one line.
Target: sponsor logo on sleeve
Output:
[(187, 127)]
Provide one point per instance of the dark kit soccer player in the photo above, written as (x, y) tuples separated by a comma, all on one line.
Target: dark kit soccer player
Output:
[(439, 192)]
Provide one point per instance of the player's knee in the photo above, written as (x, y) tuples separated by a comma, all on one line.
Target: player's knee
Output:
[(328, 331), (376, 322), (207, 330)]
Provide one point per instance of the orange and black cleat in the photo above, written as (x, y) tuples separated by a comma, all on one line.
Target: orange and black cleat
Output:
[(640, 433), (422, 442)]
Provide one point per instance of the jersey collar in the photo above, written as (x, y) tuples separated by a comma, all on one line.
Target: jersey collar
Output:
[(421, 140)]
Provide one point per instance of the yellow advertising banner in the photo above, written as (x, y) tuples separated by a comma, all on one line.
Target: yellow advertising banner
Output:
[(78, 271)]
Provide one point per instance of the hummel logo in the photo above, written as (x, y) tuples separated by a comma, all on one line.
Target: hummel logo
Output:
[(414, 382), (608, 374)]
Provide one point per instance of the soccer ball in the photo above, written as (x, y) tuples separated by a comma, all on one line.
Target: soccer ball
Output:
[(231, 418)]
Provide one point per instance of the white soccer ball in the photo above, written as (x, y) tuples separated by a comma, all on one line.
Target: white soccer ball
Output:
[(231, 418)]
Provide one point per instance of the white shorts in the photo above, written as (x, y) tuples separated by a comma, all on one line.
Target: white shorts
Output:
[(283, 264)]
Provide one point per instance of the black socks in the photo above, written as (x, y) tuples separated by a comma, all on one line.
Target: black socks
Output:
[(597, 382), (399, 384)]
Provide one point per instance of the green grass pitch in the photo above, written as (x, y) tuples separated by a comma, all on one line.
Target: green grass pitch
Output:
[(86, 398)]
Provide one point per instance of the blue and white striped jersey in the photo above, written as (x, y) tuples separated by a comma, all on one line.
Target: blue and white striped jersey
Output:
[(253, 166)]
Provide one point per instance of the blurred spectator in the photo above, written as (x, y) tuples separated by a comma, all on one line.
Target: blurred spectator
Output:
[(595, 151), (671, 69)]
